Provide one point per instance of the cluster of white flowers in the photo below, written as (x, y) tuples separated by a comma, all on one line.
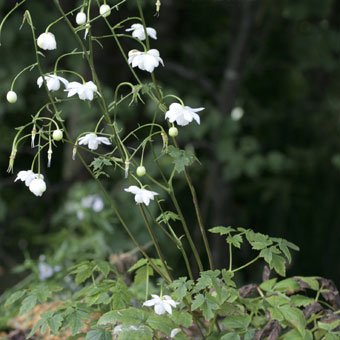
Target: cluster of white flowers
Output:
[(35, 182), (93, 202)]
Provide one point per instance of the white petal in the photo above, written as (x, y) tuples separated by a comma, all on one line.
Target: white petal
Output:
[(159, 309)]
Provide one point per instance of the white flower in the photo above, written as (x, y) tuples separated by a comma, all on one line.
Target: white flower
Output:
[(38, 186), (26, 176), (81, 18), (141, 195), (237, 113), (93, 141), (174, 332), (85, 91), (52, 82), (182, 115), (162, 304), (94, 202), (11, 97), (45, 271), (105, 10), (146, 61), (46, 41), (138, 31)]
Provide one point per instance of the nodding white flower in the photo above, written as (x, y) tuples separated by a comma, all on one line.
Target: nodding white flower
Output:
[(11, 97), (141, 195), (84, 91), (26, 176), (237, 113), (81, 18), (38, 186), (93, 141), (52, 82), (138, 32), (46, 41), (105, 10), (145, 61), (182, 115), (162, 304)]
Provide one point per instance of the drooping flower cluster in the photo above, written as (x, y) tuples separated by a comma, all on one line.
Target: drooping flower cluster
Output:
[(35, 182)]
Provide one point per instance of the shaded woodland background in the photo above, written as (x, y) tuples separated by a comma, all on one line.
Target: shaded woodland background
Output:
[(276, 170)]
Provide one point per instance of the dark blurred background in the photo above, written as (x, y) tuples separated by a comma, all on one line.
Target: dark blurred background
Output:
[(276, 169)]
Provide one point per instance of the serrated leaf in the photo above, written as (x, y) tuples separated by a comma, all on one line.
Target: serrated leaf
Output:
[(301, 300), (268, 285), (312, 282), (289, 286), (237, 322), (104, 267), (129, 316), (181, 318), (83, 273), (132, 332), (161, 323), (294, 317), (75, 320), (180, 288), (222, 230), (278, 263), (28, 303), (140, 263), (98, 334), (181, 158), (198, 301), (258, 241), (55, 322), (235, 240), (15, 297)]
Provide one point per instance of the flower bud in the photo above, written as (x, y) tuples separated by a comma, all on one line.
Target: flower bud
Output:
[(49, 157), (173, 132), (11, 97), (105, 10), (46, 41), (33, 134), (141, 171), (57, 135), (81, 18)]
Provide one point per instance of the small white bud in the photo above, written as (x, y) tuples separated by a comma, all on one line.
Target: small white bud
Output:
[(81, 18), (141, 171), (173, 132), (237, 113), (49, 157), (57, 135), (105, 10), (11, 97)]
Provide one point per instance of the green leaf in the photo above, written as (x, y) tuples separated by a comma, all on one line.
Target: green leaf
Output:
[(133, 332), (301, 300), (104, 267), (181, 318), (129, 316), (140, 263), (181, 158), (15, 297), (121, 295), (295, 335), (75, 320), (237, 322), (180, 287), (28, 303), (198, 302), (222, 230), (295, 318), (55, 322), (329, 326), (278, 263), (98, 334), (312, 282), (230, 336), (161, 323), (258, 241), (167, 216), (268, 285), (235, 240), (289, 286), (84, 271)]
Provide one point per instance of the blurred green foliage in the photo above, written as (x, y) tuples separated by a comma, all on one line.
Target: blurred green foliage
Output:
[(275, 170)]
